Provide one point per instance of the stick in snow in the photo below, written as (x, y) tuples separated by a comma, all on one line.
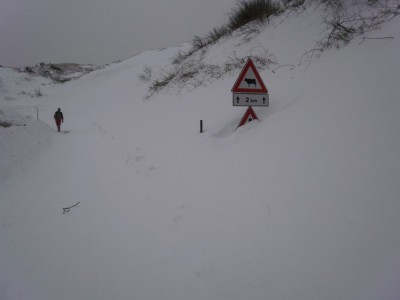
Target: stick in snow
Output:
[(378, 38), (66, 209)]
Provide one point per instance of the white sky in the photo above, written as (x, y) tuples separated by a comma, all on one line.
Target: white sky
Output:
[(100, 31)]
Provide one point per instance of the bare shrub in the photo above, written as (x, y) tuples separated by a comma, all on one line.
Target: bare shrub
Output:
[(146, 74), (293, 3), (180, 56), (199, 43), (217, 33), (5, 124), (253, 10), (158, 84), (38, 92), (343, 26), (261, 57)]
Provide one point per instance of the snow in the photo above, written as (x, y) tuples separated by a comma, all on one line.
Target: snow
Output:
[(301, 205)]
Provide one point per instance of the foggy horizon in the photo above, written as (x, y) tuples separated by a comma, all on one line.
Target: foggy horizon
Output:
[(99, 32)]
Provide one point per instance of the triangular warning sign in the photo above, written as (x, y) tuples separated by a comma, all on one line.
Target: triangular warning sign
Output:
[(249, 81), (248, 116)]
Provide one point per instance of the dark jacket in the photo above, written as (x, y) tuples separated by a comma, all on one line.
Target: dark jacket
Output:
[(58, 115)]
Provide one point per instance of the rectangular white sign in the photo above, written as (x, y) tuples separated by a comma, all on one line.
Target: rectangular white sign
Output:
[(244, 99)]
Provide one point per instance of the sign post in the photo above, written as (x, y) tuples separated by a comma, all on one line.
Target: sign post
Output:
[(249, 90)]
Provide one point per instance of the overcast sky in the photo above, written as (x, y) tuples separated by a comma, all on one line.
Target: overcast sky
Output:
[(100, 31)]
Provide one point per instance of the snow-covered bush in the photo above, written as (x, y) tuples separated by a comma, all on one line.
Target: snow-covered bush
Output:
[(346, 23), (248, 11), (146, 74), (38, 92), (192, 72)]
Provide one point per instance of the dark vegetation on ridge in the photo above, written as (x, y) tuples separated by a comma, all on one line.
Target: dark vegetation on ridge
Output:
[(189, 70)]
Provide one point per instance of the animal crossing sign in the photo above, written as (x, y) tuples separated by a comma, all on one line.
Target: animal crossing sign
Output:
[(249, 89)]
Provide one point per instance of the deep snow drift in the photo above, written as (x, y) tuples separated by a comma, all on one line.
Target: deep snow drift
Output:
[(302, 205)]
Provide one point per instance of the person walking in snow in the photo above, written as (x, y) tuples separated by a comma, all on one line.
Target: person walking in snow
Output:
[(59, 118)]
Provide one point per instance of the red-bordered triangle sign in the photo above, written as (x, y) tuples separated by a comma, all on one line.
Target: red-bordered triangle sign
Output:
[(249, 81), (248, 116)]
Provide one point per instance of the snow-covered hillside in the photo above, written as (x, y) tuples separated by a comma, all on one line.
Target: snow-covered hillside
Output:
[(302, 205)]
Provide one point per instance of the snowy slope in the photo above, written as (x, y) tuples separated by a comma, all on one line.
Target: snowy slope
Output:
[(302, 205)]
